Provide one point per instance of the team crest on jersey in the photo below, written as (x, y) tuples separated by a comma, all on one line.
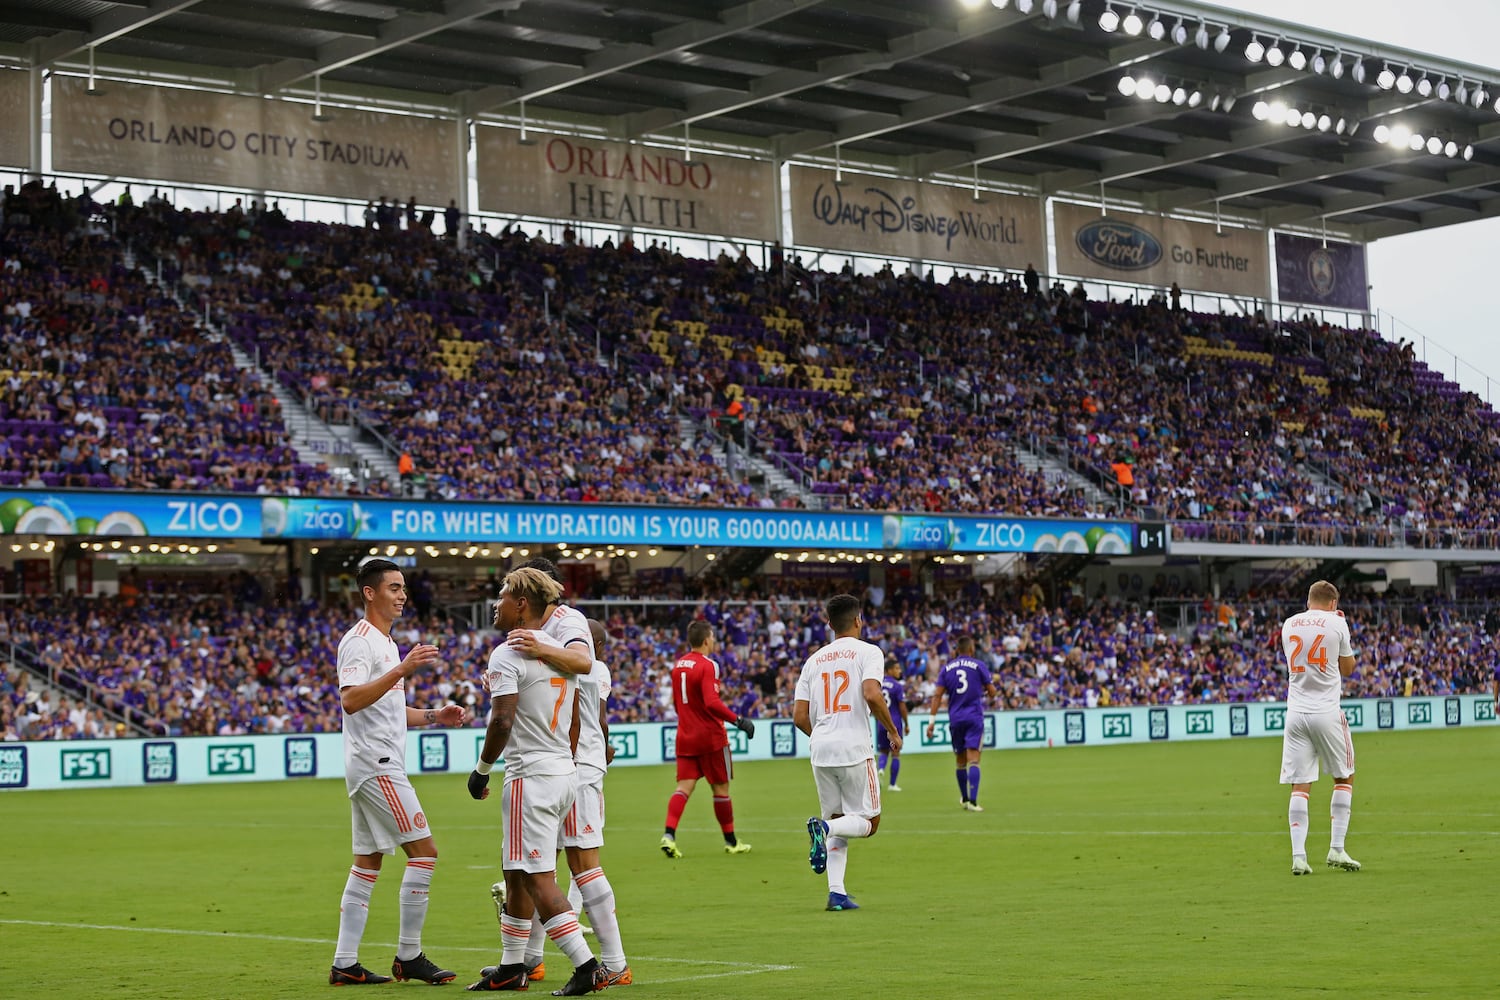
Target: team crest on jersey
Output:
[(420, 821)]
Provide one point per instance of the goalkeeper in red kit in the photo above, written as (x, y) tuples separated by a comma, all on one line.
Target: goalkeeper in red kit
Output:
[(702, 744)]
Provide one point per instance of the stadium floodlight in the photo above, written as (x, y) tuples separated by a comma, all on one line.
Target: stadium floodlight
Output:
[(1133, 24), (1049, 9), (1424, 86), (1404, 82), (1215, 102), (1469, 152), (1382, 134), (1336, 66), (974, 4), (1127, 85), (1163, 93), (1195, 98), (1318, 63), (1443, 91), (1255, 50), (1451, 149), (1200, 37), (1145, 87), (1357, 71), (1387, 79), (1075, 11), (1343, 124), (1400, 135), (1435, 146), (1309, 120), (1480, 96), (1179, 96), (1222, 42), (1325, 122), (1179, 33), (1416, 143), (1110, 19), (1229, 100), (1261, 111), (1461, 94), (1298, 59), (1156, 29), (1274, 55)]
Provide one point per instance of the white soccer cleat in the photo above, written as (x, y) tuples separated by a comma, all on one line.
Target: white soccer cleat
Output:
[(1341, 859), (895, 788), (974, 807), (497, 893), (1300, 865)]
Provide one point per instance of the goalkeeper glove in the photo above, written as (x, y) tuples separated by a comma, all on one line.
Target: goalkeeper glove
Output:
[(477, 784), (745, 726)]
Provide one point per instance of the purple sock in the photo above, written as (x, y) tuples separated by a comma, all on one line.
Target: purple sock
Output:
[(973, 782), (880, 761), (895, 768), (963, 783)]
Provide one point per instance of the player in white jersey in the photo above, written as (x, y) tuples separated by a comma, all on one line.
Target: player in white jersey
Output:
[(838, 690), (382, 802), (534, 721), (1316, 730)]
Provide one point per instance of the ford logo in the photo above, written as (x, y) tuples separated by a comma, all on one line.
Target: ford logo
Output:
[(1119, 245)]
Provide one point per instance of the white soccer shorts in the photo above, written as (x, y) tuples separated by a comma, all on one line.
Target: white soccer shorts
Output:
[(534, 810), (1312, 738), (583, 826), (386, 814), (848, 789)]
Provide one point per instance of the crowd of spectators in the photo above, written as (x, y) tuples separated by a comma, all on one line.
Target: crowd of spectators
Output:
[(205, 665)]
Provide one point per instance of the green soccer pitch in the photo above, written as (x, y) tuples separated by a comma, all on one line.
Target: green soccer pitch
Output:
[(1133, 871)]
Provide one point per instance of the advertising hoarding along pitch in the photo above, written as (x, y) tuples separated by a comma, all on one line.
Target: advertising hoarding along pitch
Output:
[(1324, 273), (623, 184), (900, 218), (1151, 250), (197, 137), (203, 515)]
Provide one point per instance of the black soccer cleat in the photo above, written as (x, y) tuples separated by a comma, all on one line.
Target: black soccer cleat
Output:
[(587, 978), (503, 977), (354, 975), (421, 968)]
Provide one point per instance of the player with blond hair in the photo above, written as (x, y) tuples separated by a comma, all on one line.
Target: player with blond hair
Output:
[(1316, 731)]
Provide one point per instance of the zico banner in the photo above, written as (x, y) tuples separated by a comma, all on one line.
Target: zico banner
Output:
[(15, 136), (203, 759), (899, 218), (1151, 250), (620, 184), (1328, 274), (120, 513), (197, 137)]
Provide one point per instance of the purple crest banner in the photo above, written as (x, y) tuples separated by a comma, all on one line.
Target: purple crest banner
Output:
[(1333, 276)]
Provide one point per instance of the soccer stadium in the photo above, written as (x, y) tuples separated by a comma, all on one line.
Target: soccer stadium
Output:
[(1042, 328)]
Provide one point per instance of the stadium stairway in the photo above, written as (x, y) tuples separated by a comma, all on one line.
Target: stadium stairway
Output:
[(767, 479), (1057, 470)]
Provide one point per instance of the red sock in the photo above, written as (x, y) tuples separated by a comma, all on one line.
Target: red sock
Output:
[(675, 805), (724, 813)]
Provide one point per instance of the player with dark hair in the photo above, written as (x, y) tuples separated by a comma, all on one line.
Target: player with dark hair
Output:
[(894, 692), (837, 692), (702, 744), (383, 804), (966, 682)]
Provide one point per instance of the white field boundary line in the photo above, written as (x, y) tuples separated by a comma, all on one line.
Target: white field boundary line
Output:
[(735, 968)]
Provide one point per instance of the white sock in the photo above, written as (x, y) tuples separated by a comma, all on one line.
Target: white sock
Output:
[(1339, 809), (838, 861), (416, 882), (563, 929), (599, 899), (1296, 818), (537, 942), (354, 910), (575, 895), (849, 827), (515, 933)]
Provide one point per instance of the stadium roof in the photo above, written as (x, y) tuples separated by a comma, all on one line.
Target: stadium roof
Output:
[(921, 87)]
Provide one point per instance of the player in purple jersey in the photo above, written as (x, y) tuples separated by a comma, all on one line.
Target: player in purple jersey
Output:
[(966, 682), (895, 700)]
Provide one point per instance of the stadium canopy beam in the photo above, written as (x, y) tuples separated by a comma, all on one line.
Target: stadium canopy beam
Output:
[(1432, 220), (1257, 136), (397, 31), (105, 28), (784, 82), (618, 58), (937, 107), (1466, 179)]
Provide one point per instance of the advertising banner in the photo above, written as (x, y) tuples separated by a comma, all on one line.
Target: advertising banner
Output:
[(1151, 250), (203, 515), (15, 135), (624, 184), (1333, 275), (53, 764), (901, 218), (164, 133)]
